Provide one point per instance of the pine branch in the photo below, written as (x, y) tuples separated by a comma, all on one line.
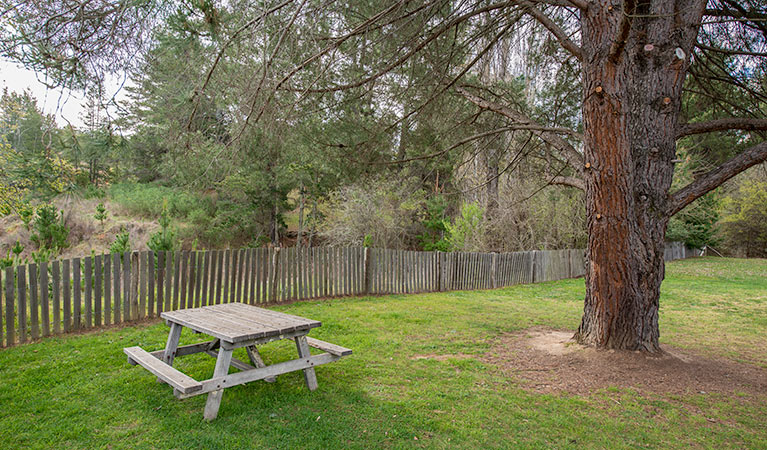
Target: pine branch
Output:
[(714, 178), (732, 123)]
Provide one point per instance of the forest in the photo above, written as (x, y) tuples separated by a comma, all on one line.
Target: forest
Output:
[(388, 139)]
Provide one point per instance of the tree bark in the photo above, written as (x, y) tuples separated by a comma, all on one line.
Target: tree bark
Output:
[(630, 110)]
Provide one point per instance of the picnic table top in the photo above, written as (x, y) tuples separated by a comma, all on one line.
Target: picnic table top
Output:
[(237, 322)]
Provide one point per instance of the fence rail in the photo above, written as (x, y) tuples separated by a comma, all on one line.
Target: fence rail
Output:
[(40, 300)]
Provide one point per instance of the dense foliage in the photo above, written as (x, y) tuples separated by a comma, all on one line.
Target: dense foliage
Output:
[(245, 128)]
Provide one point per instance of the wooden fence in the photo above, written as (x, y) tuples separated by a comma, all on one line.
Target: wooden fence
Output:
[(40, 300)]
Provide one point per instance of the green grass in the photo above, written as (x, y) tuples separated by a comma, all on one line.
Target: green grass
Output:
[(79, 392)]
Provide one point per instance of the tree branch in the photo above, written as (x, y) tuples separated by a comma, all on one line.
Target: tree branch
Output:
[(571, 155), (568, 181), (734, 123), (558, 32), (714, 178)]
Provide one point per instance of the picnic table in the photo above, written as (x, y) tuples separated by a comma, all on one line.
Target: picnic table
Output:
[(233, 326)]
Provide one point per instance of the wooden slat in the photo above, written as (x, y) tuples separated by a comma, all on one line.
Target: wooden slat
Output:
[(160, 282), (151, 261), (219, 274), (179, 381), (183, 271), (212, 275), (134, 285), (10, 315), (227, 274), (142, 284), (261, 266), (45, 318), (34, 319), (192, 273), (116, 272), (198, 278), (346, 265), (97, 290), (107, 289), (251, 271), (168, 276), (66, 286), (88, 297), (176, 280), (126, 279), (56, 275), (240, 273), (238, 267), (21, 308), (300, 294), (76, 295), (205, 293)]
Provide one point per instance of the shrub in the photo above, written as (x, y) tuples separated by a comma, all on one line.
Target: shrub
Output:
[(466, 232), (380, 213), (50, 231)]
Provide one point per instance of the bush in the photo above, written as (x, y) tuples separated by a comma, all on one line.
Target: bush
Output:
[(467, 231), (379, 213), (49, 230)]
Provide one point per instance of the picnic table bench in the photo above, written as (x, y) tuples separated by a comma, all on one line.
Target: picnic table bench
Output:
[(233, 326)]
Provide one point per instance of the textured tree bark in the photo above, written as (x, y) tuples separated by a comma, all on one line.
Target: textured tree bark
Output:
[(632, 83)]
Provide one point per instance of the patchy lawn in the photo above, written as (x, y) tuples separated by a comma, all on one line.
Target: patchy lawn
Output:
[(427, 372)]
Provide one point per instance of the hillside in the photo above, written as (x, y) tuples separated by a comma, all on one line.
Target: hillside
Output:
[(86, 234)]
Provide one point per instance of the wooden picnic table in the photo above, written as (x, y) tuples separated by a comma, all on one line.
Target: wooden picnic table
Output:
[(233, 326)]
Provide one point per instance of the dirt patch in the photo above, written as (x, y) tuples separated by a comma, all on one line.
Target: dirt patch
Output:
[(549, 361)]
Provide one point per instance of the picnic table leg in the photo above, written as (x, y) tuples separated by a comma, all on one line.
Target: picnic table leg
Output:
[(222, 369), (303, 352), (172, 345), (257, 361)]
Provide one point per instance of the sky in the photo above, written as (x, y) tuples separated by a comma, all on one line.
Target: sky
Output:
[(67, 106)]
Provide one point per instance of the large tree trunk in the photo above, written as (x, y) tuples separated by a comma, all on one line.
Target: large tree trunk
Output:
[(634, 65)]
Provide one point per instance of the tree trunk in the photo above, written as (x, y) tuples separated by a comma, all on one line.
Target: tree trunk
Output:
[(634, 65)]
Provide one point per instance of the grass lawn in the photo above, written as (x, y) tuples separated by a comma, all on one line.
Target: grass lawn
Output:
[(79, 392)]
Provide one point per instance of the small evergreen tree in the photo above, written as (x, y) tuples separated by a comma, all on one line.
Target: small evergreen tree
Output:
[(165, 238), (121, 243), (49, 229), (101, 214)]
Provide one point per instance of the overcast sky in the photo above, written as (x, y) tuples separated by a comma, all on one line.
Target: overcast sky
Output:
[(65, 105)]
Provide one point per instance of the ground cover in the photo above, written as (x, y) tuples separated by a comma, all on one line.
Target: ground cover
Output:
[(438, 370)]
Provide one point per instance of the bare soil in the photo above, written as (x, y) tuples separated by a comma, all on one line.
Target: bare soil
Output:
[(549, 361)]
